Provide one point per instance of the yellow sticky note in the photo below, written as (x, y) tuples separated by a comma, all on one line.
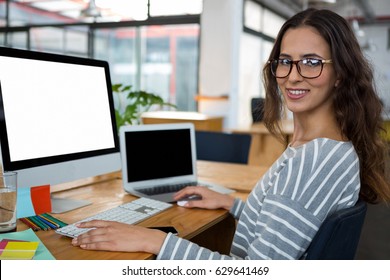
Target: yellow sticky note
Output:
[(19, 250)]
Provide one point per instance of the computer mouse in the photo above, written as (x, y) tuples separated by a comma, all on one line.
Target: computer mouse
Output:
[(185, 199)]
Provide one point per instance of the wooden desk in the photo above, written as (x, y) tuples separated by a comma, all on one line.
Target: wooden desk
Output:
[(239, 177), (213, 229), (200, 121), (266, 148)]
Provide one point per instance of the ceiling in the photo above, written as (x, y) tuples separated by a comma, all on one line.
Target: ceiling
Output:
[(366, 11), (109, 10)]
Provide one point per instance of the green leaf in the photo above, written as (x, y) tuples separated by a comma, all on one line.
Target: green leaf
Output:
[(138, 102)]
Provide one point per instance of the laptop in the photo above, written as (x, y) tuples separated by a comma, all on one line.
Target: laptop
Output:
[(160, 159)]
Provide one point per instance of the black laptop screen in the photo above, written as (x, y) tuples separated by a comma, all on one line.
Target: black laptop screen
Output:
[(158, 154)]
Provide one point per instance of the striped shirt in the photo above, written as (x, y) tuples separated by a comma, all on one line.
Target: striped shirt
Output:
[(287, 206)]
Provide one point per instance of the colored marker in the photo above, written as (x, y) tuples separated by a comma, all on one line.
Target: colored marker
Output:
[(59, 222), (45, 221), (40, 224), (30, 224)]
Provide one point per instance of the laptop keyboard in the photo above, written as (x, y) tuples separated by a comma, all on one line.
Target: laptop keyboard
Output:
[(129, 213), (166, 188)]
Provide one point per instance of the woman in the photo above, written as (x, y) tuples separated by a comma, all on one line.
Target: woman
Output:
[(335, 156)]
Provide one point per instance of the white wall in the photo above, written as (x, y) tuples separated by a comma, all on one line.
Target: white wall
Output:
[(231, 62), (249, 76), (221, 25), (376, 48)]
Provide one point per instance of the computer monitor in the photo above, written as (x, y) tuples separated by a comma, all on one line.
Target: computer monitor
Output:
[(57, 118)]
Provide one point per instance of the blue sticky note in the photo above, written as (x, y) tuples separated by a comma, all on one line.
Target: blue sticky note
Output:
[(24, 206)]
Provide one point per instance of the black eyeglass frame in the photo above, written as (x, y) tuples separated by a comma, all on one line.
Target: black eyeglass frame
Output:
[(323, 61)]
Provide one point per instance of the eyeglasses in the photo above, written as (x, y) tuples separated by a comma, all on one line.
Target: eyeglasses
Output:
[(308, 68)]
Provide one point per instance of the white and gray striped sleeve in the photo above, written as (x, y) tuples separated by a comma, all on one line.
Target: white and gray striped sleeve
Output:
[(284, 229), (237, 208), (176, 248)]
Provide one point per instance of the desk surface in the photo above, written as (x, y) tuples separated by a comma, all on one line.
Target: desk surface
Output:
[(193, 224), (239, 177)]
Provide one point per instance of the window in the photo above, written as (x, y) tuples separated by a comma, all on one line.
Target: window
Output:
[(175, 7), (161, 58), (261, 20), (271, 23), (261, 27), (252, 15)]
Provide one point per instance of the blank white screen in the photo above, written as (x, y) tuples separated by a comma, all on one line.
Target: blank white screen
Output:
[(62, 108)]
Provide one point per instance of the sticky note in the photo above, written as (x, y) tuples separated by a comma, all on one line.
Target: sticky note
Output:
[(15, 250), (33, 201), (40, 197), (24, 207), (3, 243)]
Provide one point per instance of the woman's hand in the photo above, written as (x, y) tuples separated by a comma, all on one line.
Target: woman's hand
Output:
[(209, 199), (114, 236)]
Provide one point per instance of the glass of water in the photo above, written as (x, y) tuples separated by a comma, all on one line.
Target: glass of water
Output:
[(8, 188)]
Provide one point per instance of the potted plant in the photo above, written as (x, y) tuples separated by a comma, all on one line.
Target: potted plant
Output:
[(137, 102)]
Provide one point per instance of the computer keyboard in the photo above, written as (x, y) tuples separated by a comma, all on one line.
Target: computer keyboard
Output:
[(129, 213), (166, 188), (177, 187)]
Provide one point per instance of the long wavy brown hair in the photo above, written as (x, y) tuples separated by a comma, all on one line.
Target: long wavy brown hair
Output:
[(356, 103)]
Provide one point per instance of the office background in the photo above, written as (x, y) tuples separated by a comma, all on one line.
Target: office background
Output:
[(204, 56), (210, 48)]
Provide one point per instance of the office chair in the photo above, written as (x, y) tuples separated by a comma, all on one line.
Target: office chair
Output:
[(223, 147), (257, 107), (338, 236)]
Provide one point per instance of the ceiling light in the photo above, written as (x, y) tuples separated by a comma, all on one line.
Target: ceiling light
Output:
[(356, 28), (91, 11), (323, 1), (317, 3)]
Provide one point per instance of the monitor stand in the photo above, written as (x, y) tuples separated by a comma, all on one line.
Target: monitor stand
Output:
[(61, 205)]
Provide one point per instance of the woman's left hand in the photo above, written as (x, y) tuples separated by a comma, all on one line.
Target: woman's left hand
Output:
[(114, 236)]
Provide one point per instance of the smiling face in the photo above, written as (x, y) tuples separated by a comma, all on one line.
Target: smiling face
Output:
[(307, 96)]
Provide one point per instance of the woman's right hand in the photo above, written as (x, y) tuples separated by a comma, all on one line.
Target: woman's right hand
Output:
[(209, 199)]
